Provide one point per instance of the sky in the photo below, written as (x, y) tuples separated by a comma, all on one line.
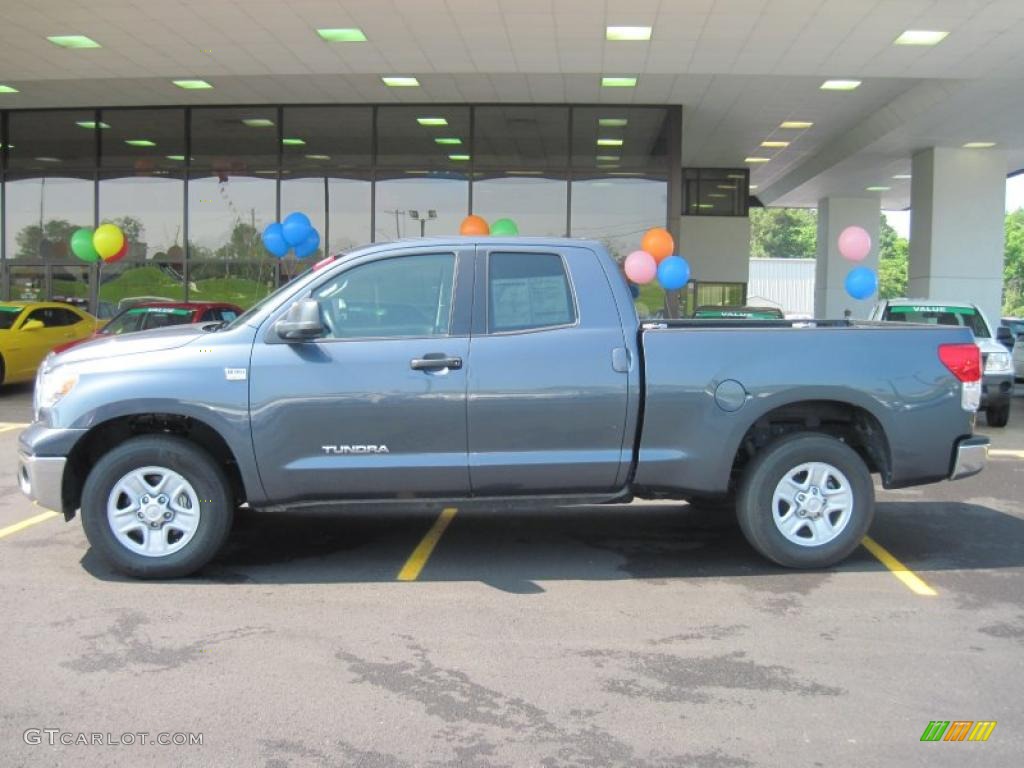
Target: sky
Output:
[(900, 220)]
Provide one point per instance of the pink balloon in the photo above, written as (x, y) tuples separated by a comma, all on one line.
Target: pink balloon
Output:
[(854, 243), (641, 267)]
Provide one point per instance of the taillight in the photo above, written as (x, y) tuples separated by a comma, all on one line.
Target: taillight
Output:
[(963, 360)]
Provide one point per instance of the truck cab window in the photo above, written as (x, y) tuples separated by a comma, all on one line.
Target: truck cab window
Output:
[(398, 297), (527, 291)]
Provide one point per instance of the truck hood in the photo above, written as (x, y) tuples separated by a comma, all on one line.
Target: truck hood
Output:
[(156, 340), (988, 346)]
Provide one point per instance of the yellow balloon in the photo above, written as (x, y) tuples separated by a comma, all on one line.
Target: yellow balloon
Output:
[(108, 239)]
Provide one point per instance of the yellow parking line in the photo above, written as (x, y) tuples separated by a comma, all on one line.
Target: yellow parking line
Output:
[(40, 518), (411, 570), (9, 427), (1006, 452), (913, 582)]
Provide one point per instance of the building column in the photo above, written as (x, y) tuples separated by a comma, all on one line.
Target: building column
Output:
[(834, 215), (957, 201)]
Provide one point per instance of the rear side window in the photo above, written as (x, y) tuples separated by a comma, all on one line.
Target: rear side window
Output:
[(527, 291)]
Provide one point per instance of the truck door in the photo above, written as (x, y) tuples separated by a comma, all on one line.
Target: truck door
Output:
[(547, 405), (377, 407)]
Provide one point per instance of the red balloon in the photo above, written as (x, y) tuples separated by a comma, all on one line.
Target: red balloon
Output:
[(474, 225), (658, 242), (119, 255)]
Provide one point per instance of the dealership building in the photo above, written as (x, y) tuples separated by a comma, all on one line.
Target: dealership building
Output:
[(194, 125)]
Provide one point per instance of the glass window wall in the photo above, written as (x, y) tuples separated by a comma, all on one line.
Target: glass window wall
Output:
[(193, 188)]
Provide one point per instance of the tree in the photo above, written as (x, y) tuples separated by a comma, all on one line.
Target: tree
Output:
[(134, 230), (893, 262), (51, 241), (783, 233), (1013, 264)]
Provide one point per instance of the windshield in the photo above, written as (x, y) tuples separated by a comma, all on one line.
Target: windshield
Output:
[(8, 315), (144, 318), (295, 282), (935, 314)]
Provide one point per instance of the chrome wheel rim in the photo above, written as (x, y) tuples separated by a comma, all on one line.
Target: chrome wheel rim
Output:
[(812, 504), (153, 511)]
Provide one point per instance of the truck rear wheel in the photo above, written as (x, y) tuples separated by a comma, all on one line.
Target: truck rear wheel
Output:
[(157, 506), (806, 501)]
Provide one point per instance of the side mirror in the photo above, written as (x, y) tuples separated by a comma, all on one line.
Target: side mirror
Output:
[(32, 325), (1004, 335), (301, 322)]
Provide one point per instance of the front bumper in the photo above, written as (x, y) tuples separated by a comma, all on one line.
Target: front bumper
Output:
[(41, 479), (969, 457), (996, 389)]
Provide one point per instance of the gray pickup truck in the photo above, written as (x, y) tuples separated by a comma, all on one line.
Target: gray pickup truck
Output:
[(491, 372)]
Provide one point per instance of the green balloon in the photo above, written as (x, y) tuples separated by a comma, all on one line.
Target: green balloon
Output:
[(504, 228), (81, 245)]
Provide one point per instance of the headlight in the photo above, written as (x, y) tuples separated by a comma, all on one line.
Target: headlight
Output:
[(998, 362), (52, 385)]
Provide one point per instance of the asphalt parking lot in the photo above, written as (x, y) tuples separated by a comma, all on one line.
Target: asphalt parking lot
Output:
[(646, 635)]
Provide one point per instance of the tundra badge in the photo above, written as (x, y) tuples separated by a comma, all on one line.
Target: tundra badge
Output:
[(338, 450)]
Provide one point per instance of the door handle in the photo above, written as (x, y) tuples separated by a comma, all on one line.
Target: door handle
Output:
[(435, 361)]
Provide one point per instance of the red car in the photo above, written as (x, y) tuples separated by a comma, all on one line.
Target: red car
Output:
[(157, 314)]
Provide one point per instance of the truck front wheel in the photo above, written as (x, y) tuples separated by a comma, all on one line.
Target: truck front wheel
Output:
[(806, 501), (157, 506)]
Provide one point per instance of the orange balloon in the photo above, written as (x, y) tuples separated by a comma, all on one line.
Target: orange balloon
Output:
[(658, 242), (474, 225)]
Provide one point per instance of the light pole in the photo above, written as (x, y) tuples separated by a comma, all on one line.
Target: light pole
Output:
[(428, 215)]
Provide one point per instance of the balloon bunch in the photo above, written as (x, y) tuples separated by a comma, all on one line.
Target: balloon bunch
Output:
[(107, 243), (477, 225), (655, 259), (296, 231), (855, 245)]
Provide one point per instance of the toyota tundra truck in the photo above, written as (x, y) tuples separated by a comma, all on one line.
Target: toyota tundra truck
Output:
[(493, 373)]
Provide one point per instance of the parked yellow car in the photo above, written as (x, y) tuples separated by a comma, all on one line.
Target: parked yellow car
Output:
[(30, 329)]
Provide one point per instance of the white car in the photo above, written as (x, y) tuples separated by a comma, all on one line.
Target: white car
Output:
[(998, 371)]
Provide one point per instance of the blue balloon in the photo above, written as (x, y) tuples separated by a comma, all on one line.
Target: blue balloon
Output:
[(273, 240), (296, 228), (861, 282), (308, 246), (673, 273)]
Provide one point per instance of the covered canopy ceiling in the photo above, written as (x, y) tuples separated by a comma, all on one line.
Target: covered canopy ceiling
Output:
[(739, 68)]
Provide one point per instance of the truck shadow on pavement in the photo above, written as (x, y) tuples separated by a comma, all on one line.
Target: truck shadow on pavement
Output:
[(514, 551)]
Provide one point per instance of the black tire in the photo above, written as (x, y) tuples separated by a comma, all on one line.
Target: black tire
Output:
[(754, 504), (192, 463), (998, 415)]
